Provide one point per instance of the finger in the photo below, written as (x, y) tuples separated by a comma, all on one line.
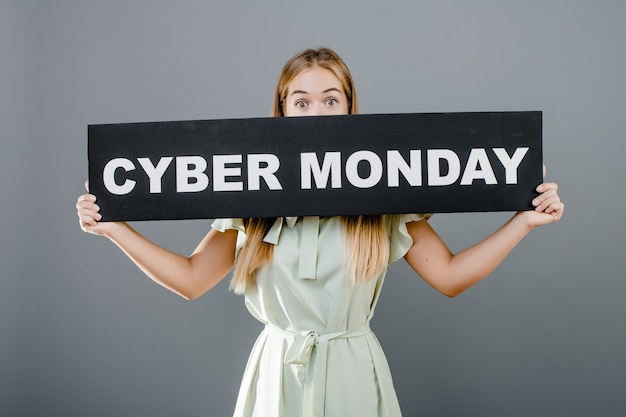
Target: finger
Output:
[(86, 207), (87, 214), (89, 197), (87, 204), (555, 208), (541, 198), (87, 222), (543, 187), (544, 171), (86, 197), (87, 185), (555, 211), (546, 204), (544, 200)]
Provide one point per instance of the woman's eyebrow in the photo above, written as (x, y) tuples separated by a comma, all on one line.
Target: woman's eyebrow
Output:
[(323, 92)]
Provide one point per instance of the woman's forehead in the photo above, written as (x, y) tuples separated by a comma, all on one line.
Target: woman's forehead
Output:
[(314, 80)]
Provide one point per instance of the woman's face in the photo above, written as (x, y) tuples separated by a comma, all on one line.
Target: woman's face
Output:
[(315, 92)]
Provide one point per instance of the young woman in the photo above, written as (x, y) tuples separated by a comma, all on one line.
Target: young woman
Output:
[(314, 282)]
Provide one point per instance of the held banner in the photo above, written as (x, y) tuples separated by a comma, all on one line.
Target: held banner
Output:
[(322, 165)]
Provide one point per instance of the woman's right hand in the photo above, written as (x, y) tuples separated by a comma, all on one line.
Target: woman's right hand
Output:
[(89, 215)]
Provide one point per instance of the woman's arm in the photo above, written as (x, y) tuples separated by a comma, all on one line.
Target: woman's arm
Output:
[(451, 274), (189, 277)]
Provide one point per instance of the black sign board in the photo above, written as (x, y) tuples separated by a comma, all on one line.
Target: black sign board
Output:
[(323, 165)]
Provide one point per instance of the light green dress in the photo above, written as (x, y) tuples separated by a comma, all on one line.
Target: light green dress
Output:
[(317, 355)]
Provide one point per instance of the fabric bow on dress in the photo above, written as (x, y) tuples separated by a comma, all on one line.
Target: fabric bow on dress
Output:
[(308, 242)]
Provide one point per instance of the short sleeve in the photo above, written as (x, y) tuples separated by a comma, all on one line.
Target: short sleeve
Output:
[(222, 225), (400, 240)]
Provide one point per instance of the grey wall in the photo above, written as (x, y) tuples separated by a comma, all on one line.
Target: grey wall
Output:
[(83, 332)]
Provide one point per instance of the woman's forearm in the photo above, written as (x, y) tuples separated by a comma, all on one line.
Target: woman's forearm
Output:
[(189, 277), (471, 265), (451, 274)]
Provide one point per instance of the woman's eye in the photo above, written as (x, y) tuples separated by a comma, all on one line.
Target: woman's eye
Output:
[(301, 104), (331, 101)]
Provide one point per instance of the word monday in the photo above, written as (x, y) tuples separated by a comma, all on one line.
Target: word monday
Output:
[(322, 165), (227, 170)]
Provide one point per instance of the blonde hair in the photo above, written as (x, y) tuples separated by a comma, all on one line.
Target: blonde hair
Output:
[(367, 246)]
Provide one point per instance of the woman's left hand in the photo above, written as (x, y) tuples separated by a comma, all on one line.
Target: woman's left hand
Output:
[(548, 206)]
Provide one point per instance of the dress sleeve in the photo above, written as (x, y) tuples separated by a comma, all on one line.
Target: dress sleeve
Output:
[(222, 225), (399, 239)]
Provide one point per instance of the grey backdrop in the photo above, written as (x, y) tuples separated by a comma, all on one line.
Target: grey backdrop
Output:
[(83, 332)]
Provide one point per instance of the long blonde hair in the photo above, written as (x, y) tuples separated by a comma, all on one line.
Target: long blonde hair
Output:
[(367, 247)]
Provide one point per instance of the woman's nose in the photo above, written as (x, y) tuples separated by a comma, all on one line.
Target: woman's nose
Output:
[(316, 110)]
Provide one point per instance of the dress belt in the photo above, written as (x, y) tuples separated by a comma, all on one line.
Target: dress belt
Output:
[(300, 345)]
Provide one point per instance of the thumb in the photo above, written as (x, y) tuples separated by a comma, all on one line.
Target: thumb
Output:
[(87, 185)]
